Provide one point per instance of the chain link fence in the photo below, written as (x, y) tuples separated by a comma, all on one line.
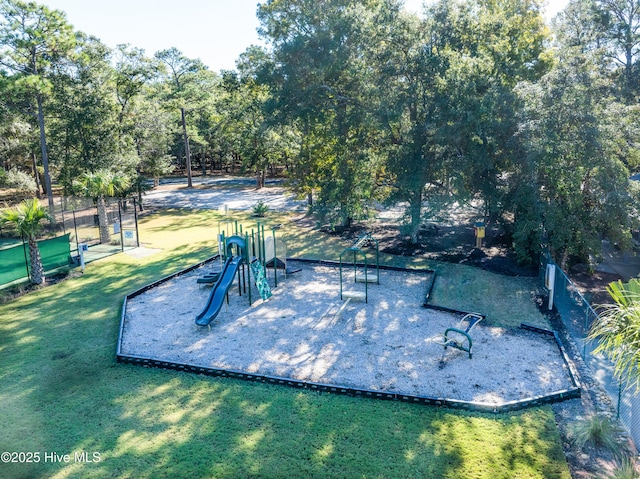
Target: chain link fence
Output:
[(16, 262), (577, 316), (76, 222), (79, 217)]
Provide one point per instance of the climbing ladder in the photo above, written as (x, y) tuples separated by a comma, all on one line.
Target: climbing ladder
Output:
[(261, 280), (364, 241)]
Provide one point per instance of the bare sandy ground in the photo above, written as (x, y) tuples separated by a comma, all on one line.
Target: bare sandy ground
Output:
[(385, 344)]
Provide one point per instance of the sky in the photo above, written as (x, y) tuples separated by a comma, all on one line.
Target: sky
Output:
[(215, 31)]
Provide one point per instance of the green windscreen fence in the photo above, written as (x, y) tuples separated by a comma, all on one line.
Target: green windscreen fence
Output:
[(12, 264), (54, 252)]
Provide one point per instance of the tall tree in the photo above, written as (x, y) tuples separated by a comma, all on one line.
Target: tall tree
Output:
[(409, 65), (152, 135), (577, 27), (446, 100), (321, 80), (259, 139), (620, 24), (85, 132), (503, 43), (133, 70), (181, 76), (33, 39), (572, 185)]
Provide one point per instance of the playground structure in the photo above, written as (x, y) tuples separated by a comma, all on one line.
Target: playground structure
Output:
[(361, 272), (274, 354), (373, 360), (269, 250), (236, 250)]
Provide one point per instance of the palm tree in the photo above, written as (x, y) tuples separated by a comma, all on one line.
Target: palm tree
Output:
[(26, 218), (617, 330), (99, 185)]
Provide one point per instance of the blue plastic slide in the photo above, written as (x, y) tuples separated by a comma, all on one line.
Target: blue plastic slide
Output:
[(219, 291)]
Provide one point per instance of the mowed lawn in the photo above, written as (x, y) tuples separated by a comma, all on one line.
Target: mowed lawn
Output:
[(73, 412)]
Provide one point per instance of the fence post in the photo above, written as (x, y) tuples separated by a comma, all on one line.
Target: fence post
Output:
[(75, 227), (64, 228), (26, 261), (619, 399), (121, 226), (135, 216), (586, 332)]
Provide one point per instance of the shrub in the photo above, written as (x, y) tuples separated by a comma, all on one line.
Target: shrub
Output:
[(18, 180), (598, 431), (260, 209), (626, 469)]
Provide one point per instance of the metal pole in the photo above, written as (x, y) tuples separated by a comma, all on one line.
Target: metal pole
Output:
[(355, 266), (75, 227), (121, 227), (247, 261), (341, 276), (366, 282), (586, 328), (64, 229), (619, 399), (253, 243), (135, 216), (244, 275), (377, 260), (26, 260), (239, 279), (275, 259), (261, 244)]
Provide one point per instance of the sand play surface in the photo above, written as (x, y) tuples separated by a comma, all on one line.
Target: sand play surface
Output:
[(386, 344)]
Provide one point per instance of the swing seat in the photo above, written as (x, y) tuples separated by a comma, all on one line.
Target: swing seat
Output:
[(369, 278), (460, 337), (357, 295)]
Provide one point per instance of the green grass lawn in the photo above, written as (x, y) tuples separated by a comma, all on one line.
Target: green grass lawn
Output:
[(62, 392)]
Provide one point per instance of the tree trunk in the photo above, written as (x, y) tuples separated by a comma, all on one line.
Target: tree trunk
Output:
[(37, 270), (103, 221), (415, 206), (45, 157), (36, 176), (258, 179), (187, 152)]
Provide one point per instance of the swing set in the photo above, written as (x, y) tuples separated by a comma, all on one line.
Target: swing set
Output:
[(361, 273)]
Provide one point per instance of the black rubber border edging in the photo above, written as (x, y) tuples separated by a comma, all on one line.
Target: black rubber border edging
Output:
[(557, 396)]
